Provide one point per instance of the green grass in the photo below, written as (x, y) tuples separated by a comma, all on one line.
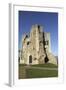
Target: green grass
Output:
[(20, 65), (42, 65), (37, 73), (46, 65), (22, 72)]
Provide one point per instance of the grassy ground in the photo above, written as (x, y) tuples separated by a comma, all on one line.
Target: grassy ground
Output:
[(37, 73), (22, 72), (46, 65)]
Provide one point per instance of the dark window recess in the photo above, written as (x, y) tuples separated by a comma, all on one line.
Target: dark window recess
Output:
[(28, 43), (35, 58), (46, 42), (26, 36), (41, 41), (46, 59), (39, 28), (19, 59)]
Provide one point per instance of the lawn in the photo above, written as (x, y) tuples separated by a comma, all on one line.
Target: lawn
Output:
[(37, 73), (46, 65)]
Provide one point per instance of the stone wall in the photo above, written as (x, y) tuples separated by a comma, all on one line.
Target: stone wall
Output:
[(35, 47)]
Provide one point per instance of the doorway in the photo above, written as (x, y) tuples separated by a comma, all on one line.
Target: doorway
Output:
[(30, 59)]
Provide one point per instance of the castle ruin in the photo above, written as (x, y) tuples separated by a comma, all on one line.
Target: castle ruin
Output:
[(36, 47)]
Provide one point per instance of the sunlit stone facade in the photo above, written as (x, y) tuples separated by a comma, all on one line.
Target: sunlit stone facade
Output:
[(36, 47)]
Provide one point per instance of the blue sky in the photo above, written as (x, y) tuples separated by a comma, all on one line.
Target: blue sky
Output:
[(48, 20)]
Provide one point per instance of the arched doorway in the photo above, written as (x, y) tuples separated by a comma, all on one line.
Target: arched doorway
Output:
[(30, 59)]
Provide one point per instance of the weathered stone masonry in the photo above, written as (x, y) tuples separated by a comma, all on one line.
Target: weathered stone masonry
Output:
[(36, 47)]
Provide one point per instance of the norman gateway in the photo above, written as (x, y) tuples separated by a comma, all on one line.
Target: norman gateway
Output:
[(36, 47)]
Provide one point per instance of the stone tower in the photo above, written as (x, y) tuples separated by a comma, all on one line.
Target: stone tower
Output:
[(36, 47)]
